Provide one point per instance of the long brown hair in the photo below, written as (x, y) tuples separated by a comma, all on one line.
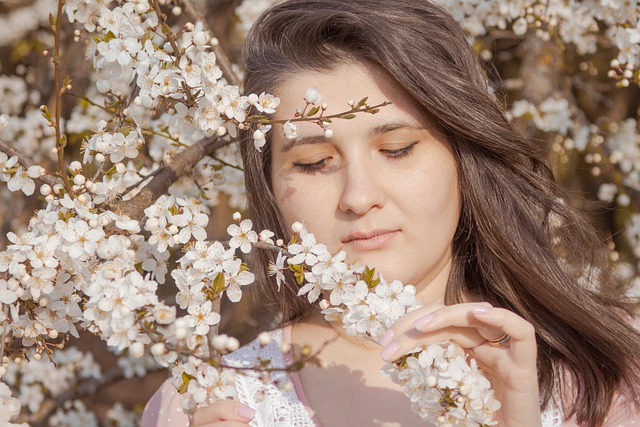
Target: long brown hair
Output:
[(518, 245)]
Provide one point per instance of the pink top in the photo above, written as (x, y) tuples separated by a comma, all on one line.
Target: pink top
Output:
[(292, 408)]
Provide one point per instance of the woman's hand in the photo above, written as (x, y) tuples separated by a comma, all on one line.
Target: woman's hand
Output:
[(511, 367), (223, 413)]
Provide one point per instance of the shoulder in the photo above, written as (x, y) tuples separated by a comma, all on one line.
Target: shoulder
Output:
[(164, 409)]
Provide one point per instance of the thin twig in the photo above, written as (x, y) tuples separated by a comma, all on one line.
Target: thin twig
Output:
[(58, 100), (176, 50), (221, 57), (227, 163), (25, 161), (142, 179), (4, 331)]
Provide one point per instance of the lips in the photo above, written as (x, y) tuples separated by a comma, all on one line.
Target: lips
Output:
[(369, 240)]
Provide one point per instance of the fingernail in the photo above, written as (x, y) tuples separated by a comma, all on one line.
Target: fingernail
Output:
[(423, 321), (386, 337), (480, 309), (245, 412), (389, 351)]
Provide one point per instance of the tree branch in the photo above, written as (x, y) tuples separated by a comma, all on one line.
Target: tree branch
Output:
[(25, 161), (181, 165)]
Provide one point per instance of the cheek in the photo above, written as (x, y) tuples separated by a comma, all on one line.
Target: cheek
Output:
[(292, 199), (309, 204)]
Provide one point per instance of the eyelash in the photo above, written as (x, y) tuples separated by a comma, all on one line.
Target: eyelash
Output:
[(401, 152), (392, 154), (310, 167)]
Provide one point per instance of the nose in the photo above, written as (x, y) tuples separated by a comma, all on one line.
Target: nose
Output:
[(361, 189)]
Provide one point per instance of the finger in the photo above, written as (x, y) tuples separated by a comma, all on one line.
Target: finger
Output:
[(460, 316), (453, 323), (523, 335), (407, 342), (406, 323), (222, 410)]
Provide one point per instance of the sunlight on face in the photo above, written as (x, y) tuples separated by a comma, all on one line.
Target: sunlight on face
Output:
[(384, 187)]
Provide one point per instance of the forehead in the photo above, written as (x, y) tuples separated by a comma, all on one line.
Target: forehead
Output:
[(346, 82)]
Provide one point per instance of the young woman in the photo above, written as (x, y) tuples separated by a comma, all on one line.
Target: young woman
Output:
[(436, 190)]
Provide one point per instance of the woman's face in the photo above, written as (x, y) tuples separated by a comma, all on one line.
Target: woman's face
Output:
[(384, 187)]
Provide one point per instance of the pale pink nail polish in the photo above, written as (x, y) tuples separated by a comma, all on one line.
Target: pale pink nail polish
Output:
[(386, 337), (424, 321), (480, 309), (389, 351), (245, 412)]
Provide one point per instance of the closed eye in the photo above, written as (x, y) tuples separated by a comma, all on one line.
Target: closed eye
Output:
[(400, 152), (311, 167)]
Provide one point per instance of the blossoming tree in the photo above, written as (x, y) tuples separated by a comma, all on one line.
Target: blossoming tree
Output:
[(118, 127)]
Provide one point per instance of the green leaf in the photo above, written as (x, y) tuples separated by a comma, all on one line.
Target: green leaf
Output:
[(186, 378), (348, 116), (313, 111), (218, 283), (361, 103), (46, 113), (369, 277)]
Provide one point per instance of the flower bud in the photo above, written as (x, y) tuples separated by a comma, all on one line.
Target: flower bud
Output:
[(237, 217), (142, 8), (219, 342), (103, 86), (264, 338), (297, 227), (136, 350), (158, 349), (79, 179), (233, 344)]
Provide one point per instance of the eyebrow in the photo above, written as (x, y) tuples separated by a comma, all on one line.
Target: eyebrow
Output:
[(376, 131)]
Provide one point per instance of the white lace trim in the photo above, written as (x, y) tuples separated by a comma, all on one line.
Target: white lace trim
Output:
[(275, 405), (278, 406)]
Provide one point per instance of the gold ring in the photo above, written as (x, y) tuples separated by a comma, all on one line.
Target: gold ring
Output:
[(503, 341)]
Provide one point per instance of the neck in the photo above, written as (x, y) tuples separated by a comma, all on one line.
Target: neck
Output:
[(316, 318)]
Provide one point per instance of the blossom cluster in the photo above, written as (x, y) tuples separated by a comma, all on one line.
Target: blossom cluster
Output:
[(78, 266), (367, 306), (356, 296), (37, 379), (445, 387), (574, 22)]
